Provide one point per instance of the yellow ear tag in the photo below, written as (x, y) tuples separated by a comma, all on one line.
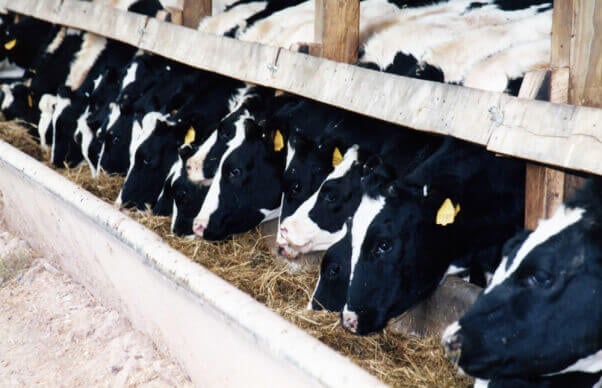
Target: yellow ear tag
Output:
[(190, 136), (278, 141), (447, 213), (10, 44), (337, 158), (29, 101)]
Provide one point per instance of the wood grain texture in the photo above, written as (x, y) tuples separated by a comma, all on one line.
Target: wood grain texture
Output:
[(337, 28), (555, 134), (194, 10)]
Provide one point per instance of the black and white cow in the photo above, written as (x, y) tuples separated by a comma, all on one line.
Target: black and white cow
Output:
[(246, 189), (194, 111), (462, 201), (319, 222), (540, 319)]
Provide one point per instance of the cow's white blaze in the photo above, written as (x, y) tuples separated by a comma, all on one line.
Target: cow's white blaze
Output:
[(211, 202), (114, 113), (59, 107), (91, 48), (302, 233), (86, 138), (97, 81), (194, 164), (290, 154), (562, 219), (363, 217), (46, 106), (450, 331), (130, 75), (8, 96)]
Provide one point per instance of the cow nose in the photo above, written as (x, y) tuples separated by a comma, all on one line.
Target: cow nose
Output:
[(453, 343), (349, 319), (199, 227)]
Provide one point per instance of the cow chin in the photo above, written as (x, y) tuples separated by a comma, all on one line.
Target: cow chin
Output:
[(220, 228)]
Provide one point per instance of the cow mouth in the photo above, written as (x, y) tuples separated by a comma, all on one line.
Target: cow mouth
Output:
[(291, 251)]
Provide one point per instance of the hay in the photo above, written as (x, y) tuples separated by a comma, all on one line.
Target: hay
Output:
[(245, 262)]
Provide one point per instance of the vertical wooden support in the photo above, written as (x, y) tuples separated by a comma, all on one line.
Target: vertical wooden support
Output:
[(576, 79), (337, 29), (194, 10)]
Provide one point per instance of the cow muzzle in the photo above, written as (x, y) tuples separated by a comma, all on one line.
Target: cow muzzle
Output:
[(199, 226), (349, 320), (451, 341)]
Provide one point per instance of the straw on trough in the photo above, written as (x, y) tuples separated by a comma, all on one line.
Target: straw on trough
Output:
[(245, 261)]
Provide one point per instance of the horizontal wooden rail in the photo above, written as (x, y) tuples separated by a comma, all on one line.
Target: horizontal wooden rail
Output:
[(556, 134)]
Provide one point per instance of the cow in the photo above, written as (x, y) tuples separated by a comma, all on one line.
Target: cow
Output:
[(320, 221), (540, 319), (246, 189), (460, 202), (193, 112)]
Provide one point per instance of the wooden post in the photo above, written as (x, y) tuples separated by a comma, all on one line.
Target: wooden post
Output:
[(194, 10), (576, 79), (336, 28)]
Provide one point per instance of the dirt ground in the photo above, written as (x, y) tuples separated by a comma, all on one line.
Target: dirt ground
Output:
[(53, 332)]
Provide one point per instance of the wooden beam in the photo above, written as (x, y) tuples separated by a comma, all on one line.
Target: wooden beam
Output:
[(194, 11), (576, 79), (337, 28), (562, 135)]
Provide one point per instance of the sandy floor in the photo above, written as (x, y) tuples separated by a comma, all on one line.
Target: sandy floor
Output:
[(53, 332)]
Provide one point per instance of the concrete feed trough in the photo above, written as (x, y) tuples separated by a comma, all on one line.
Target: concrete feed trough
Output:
[(220, 335)]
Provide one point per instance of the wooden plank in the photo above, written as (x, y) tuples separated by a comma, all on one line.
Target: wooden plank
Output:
[(562, 23), (561, 135), (337, 28), (194, 10), (586, 54)]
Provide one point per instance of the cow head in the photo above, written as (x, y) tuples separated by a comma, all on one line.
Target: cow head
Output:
[(541, 314), (246, 189), (320, 221), (152, 156), (406, 233)]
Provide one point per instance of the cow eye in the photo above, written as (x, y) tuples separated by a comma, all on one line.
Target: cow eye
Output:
[(234, 172), (333, 271), (146, 161), (330, 197), (382, 247), (295, 188), (180, 195), (115, 140), (224, 135), (540, 279)]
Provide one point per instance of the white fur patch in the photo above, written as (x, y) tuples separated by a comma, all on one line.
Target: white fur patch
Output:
[(562, 219), (46, 106), (224, 22), (363, 217), (59, 107), (8, 96), (589, 364), (196, 162), (86, 138), (130, 75), (92, 46), (56, 42)]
